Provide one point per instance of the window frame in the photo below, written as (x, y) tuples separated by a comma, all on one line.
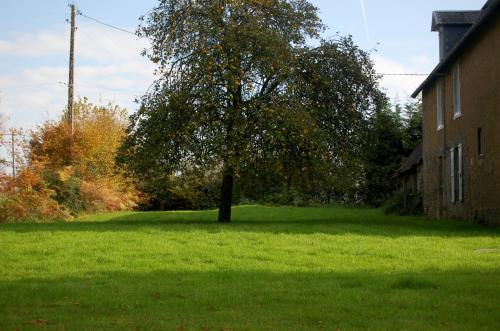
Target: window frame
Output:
[(457, 101), (480, 142), (456, 174), (460, 173), (452, 174), (440, 104)]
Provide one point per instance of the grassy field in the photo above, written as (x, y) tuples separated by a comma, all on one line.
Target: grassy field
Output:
[(271, 269)]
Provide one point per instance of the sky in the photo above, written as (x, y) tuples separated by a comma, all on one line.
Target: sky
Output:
[(34, 47)]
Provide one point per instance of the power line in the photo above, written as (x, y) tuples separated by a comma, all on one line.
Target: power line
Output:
[(26, 85), (66, 84), (106, 24), (401, 74), (15, 134), (100, 87), (107, 88)]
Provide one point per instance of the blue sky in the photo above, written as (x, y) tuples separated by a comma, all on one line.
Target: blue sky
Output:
[(34, 49)]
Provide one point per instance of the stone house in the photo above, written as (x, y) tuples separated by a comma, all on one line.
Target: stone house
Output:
[(461, 111), (410, 179)]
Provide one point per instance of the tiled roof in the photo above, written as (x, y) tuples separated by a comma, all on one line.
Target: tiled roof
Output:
[(454, 17), (489, 9), (411, 161)]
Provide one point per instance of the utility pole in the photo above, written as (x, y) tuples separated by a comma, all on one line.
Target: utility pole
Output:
[(71, 66), (13, 151)]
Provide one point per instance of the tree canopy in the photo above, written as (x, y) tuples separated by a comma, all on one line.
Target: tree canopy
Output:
[(223, 64), (240, 92)]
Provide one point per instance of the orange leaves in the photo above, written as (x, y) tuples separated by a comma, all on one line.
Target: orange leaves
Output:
[(29, 198), (51, 145), (71, 173), (66, 173), (104, 196), (29, 180), (92, 148)]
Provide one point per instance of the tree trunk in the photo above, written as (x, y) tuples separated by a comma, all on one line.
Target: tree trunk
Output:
[(226, 197), (235, 94)]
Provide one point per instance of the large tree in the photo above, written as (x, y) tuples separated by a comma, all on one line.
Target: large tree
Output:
[(413, 118), (224, 68), (339, 85), (383, 154), (318, 153)]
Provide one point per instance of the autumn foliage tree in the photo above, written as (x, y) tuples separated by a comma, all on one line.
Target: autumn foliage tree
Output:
[(80, 166), (90, 150), (71, 173)]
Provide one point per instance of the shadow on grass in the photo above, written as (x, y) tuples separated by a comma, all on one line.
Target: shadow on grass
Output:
[(164, 300), (277, 220)]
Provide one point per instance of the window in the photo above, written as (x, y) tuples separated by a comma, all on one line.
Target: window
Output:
[(439, 108), (441, 45), (456, 191), (457, 111), (480, 151)]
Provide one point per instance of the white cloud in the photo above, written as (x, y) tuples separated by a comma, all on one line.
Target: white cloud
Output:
[(3, 119), (105, 44), (26, 44), (41, 93), (92, 42), (109, 68), (400, 87)]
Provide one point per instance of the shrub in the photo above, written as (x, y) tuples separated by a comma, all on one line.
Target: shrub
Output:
[(182, 192), (68, 173), (28, 199), (399, 205), (98, 197)]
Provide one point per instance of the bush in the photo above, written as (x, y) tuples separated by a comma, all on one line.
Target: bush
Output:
[(192, 191), (69, 173), (286, 197), (399, 205), (97, 197), (28, 199)]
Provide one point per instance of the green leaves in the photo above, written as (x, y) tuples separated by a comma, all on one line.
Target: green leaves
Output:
[(220, 64), (239, 89)]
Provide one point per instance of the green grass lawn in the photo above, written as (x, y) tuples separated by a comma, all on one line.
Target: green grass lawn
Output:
[(271, 269)]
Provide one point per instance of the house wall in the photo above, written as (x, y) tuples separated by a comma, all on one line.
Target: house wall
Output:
[(411, 182), (480, 100)]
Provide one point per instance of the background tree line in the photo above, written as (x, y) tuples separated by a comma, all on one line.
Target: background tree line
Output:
[(244, 101), (244, 111), (389, 136), (58, 182)]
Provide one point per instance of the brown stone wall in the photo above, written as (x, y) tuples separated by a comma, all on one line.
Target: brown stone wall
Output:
[(431, 150), (480, 105)]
